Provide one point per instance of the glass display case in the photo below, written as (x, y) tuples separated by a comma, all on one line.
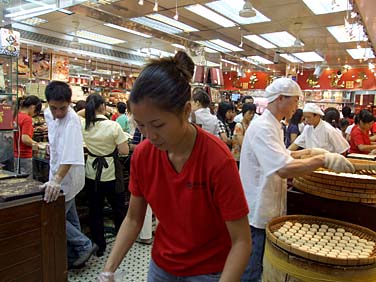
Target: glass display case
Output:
[(8, 109)]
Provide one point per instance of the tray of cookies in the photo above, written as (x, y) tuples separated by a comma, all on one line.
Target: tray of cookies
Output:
[(323, 240), (18, 188)]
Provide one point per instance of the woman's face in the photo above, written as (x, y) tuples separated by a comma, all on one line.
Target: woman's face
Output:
[(230, 114), (366, 126), (164, 129), (248, 116)]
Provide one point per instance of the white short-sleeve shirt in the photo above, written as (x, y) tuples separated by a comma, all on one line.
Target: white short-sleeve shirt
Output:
[(66, 147), (323, 136), (206, 120), (263, 154)]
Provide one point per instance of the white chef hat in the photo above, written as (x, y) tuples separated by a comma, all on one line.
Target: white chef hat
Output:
[(312, 108), (282, 86)]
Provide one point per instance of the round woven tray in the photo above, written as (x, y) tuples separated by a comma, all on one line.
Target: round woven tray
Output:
[(360, 165), (357, 195), (361, 232)]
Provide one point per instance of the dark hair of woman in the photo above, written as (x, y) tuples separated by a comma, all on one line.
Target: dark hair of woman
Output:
[(122, 107), (202, 97), (343, 123), (80, 105), (31, 100), (346, 112), (296, 117), (165, 83), (332, 117), (365, 116), (223, 108), (248, 107), (93, 102), (58, 91)]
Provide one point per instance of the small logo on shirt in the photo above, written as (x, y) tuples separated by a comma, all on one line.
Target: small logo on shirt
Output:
[(196, 185)]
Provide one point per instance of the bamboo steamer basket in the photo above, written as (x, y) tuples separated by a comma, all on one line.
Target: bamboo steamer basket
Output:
[(358, 187), (283, 262)]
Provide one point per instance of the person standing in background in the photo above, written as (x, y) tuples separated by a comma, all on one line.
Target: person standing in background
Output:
[(67, 167), (191, 182), (23, 142), (293, 131), (265, 165), (244, 100), (318, 133), (122, 119), (203, 117), (104, 140), (248, 112)]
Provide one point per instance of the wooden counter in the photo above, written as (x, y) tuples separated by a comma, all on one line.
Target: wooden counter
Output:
[(33, 240)]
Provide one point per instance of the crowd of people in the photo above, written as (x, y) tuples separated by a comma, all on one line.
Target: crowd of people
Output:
[(213, 181)]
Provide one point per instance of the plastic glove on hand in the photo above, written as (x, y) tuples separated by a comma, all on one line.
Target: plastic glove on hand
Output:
[(373, 152), (110, 277), (106, 277), (52, 190), (338, 163), (318, 151)]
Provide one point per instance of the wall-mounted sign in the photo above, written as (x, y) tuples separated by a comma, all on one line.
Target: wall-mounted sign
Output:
[(10, 42)]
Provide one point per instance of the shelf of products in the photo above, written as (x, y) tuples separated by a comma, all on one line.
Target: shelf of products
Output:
[(328, 98), (8, 109)]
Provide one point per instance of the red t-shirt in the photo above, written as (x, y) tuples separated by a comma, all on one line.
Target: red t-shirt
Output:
[(115, 116), (191, 206), (357, 137), (25, 125)]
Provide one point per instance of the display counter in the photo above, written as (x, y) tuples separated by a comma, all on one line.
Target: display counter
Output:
[(32, 234)]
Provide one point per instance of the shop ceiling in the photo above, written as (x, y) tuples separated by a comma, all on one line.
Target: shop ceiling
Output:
[(65, 30)]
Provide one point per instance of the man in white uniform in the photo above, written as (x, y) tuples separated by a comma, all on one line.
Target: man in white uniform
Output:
[(67, 170), (265, 164), (318, 133)]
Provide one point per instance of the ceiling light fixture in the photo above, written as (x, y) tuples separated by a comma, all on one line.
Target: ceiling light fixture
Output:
[(155, 9), (141, 2), (176, 17), (248, 11)]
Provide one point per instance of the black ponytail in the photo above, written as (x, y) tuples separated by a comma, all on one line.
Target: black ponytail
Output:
[(93, 102), (30, 100)]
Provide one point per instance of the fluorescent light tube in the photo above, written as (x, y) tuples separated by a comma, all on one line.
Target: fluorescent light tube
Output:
[(281, 39), (172, 22), (290, 58), (226, 45), (261, 60), (210, 15), (319, 7), (308, 57), (128, 30), (157, 25), (260, 41)]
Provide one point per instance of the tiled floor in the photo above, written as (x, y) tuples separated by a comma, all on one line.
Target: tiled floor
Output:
[(135, 265)]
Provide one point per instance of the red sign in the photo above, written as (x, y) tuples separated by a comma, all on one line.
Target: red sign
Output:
[(6, 118)]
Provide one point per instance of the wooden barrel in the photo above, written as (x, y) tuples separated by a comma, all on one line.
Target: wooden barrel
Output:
[(281, 266)]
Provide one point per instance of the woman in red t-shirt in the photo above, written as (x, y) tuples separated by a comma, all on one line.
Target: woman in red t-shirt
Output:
[(359, 137), (23, 142), (191, 181)]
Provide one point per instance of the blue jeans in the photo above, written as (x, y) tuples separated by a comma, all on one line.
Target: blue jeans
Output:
[(157, 274), (77, 243), (253, 271)]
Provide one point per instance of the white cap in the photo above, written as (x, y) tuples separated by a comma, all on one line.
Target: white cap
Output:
[(282, 86), (313, 108)]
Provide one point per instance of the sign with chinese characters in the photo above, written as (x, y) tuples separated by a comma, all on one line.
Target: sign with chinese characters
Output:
[(10, 42)]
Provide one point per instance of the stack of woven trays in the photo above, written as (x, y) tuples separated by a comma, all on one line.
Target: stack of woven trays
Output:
[(352, 187), (323, 240)]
